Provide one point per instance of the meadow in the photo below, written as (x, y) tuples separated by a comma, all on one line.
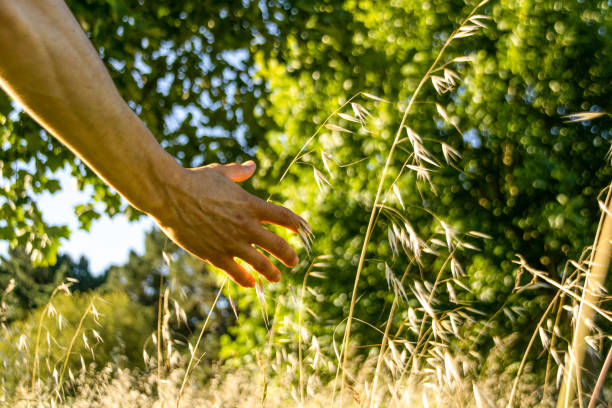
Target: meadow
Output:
[(452, 159)]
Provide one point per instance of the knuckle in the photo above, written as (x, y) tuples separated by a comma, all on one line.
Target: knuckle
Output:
[(231, 249), (236, 277), (252, 228), (291, 218), (244, 282), (261, 264), (257, 203), (291, 254), (278, 243), (241, 218), (284, 212), (218, 262), (286, 251)]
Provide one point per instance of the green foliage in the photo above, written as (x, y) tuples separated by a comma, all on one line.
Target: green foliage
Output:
[(115, 331), (191, 284), (527, 178), (32, 286)]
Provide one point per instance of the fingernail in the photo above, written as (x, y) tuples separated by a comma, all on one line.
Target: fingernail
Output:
[(249, 163)]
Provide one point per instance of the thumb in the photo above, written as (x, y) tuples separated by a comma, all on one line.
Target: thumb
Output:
[(237, 172)]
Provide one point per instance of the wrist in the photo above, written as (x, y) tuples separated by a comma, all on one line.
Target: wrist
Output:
[(163, 176), (152, 176)]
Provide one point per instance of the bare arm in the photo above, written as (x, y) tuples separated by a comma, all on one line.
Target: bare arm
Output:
[(48, 64)]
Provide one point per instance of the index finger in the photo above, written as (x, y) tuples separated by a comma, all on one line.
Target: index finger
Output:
[(282, 216)]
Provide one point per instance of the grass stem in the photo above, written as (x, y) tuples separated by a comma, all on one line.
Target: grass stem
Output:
[(70, 346), (195, 349), (381, 184), (594, 280)]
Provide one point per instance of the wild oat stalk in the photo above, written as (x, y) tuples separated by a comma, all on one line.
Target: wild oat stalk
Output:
[(598, 266), (526, 353), (159, 326), (64, 286), (89, 309), (463, 30), (385, 338), (195, 349), (594, 280), (300, 309), (323, 125), (601, 379)]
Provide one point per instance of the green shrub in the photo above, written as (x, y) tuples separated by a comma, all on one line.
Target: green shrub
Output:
[(113, 330)]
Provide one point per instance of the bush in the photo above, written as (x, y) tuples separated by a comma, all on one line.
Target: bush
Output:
[(113, 329)]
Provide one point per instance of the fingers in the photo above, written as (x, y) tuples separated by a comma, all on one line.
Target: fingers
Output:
[(278, 215), (236, 272), (236, 172), (276, 246), (260, 263), (257, 260)]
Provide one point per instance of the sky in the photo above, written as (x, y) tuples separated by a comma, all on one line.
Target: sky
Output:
[(108, 242)]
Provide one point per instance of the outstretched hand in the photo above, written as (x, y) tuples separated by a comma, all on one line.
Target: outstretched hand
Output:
[(216, 220), (49, 66)]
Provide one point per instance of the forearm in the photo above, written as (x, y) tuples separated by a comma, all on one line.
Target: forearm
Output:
[(49, 66)]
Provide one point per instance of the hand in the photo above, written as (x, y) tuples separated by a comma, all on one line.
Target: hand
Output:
[(208, 215), (49, 66)]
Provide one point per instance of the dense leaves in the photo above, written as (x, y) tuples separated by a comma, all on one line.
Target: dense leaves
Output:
[(188, 289), (527, 177), (31, 287)]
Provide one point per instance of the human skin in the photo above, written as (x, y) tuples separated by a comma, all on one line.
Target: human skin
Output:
[(49, 66)]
